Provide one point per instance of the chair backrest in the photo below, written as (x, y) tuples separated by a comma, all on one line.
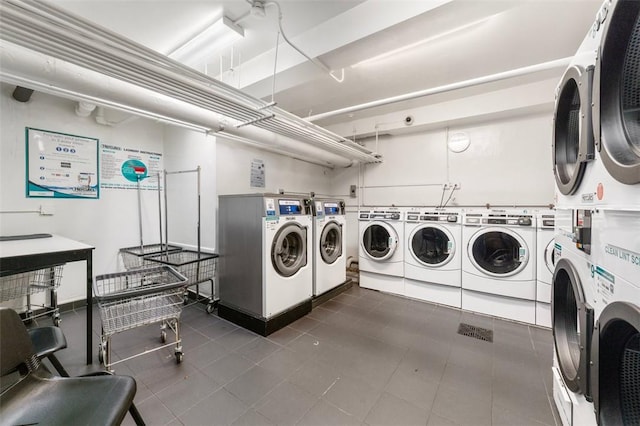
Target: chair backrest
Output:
[(15, 344)]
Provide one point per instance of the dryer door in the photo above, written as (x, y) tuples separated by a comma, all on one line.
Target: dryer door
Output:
[(572, 325), (432, 246), (573, 132), (615, 375), (331, 242), (379, 240), (498, 252), (289, 249), (617, 92)]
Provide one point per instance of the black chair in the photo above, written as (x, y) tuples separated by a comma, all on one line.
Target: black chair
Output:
[(46, 341), (32, 395)]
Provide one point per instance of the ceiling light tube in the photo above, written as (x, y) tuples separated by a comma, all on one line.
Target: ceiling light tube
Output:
[(218, 35)]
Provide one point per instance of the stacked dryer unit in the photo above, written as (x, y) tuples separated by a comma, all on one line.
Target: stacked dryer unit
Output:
[(595, 297), (498, 269), (266, 273), (381, 256), (545, 265), (433, 255), (329, 245)]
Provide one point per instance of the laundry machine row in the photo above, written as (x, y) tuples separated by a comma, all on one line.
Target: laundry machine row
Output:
[(595, 286)]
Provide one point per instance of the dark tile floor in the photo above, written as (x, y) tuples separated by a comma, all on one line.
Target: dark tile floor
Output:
[(363, 358)]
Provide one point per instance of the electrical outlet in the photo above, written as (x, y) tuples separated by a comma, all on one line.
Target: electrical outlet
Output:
[(352, 191)]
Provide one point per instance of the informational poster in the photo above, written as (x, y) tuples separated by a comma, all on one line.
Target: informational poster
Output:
[(122, 168), (61, 165), (257, 174)]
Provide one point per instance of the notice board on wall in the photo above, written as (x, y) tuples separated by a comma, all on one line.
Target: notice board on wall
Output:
[(60, 165), (124, 167)]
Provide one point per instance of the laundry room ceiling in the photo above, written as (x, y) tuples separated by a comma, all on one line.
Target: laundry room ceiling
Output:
[(385, 48)]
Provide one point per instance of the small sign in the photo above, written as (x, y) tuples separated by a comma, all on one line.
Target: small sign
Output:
[(257, 174)]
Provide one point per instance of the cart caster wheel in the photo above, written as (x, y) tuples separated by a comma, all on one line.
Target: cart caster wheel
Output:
[(185, 299), (163, 336), (210, 308), (179, 357), (102, 352), (57, 320)]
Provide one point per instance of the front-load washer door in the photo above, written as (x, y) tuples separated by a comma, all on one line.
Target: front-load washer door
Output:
[(331, 242), (617, 92), (379, 241), (432, 246), (550, 256), (289, 249), (573, 133), (498, 252), (572, 325), (615, 375)]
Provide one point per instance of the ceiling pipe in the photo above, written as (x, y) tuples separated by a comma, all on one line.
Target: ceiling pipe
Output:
[(22, 66), (517, 72)]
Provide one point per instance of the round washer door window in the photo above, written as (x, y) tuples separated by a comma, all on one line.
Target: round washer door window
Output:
[(616, 365), (498, 252), (331, 242), (572, 327), (617, 93), (573, 133), (432, 246), (550, 256), (379, 241), (289, 249)]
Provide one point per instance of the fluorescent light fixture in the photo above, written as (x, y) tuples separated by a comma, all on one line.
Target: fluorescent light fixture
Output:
[(216, 36)]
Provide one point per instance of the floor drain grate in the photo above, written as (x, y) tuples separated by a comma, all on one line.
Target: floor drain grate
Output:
[(475, 332)]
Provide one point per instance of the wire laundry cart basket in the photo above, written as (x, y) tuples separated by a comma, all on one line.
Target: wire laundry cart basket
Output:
[(197, 267), (21, 285), (136, 298), (134, 257)]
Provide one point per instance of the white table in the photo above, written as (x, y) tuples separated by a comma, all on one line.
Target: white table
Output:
[(31, 254)]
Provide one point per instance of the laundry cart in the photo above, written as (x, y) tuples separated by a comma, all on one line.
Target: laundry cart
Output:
[(133, 257), (136, 298), (23, 285), (198, 267)]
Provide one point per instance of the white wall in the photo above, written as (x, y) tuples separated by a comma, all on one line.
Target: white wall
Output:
[(288, 174), (186, 150), (507, 164), (109, 223)]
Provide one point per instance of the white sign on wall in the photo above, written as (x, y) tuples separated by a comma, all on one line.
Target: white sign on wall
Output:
[(60, 165), (123, 167), (257, 174)]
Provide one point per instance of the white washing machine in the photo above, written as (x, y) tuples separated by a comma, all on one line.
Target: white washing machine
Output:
[(432, 255), (381, 256), (603, 171), (329, 245), (545, 264), (615, 348), (266, 272), (499, 268), (572, 313)]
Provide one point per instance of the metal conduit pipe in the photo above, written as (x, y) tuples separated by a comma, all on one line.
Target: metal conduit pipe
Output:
[(558, 63), (44, 73), (52, 31)]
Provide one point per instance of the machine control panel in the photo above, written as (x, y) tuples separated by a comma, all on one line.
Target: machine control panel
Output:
[(432, 217), (378, 214), (290, 207), (509, 220)]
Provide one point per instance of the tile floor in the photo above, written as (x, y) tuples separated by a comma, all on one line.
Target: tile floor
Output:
[(362, 358)]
